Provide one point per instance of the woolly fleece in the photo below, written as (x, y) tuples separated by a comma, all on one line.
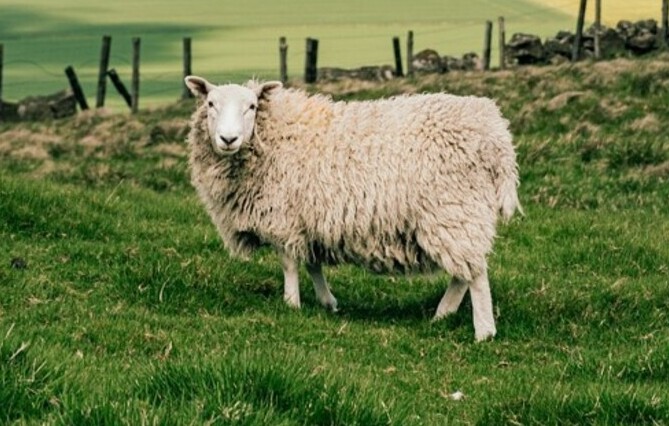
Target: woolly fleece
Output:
[(406, 184)]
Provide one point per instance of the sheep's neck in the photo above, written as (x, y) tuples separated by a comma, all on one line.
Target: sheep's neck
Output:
[(294, 116)]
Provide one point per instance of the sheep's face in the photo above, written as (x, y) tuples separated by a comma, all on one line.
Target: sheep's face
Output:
[(231, 111)]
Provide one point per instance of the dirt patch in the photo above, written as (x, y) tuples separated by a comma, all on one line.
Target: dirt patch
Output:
[(168, 163), (37, 152), (607, 72), (47, 167), (659, 170), (648, 123), (613, 108), (168, 131), (91, 144), (583, 131), (26, 144), (563, 99), (172, 150)]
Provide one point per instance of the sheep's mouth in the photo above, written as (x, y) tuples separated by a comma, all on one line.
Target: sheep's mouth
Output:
[(225, 150)]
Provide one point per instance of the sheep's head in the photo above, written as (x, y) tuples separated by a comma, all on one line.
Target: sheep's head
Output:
[(231, 111)]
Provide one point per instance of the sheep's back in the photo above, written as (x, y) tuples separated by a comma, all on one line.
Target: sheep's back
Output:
[(385, 173)]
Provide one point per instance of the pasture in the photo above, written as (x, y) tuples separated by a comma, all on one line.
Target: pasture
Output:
[(233, 41), (612, 11), (119, 305)]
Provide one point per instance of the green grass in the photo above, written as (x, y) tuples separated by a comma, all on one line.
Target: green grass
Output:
[(234, 41), (129, 310)]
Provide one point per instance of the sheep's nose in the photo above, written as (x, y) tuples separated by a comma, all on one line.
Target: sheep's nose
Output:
[(229, 140)]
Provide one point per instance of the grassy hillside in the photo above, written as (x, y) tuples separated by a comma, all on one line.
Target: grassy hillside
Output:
[(119, 305), (232, 40)]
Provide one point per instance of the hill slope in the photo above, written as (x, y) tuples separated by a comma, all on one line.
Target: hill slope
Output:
[(119, 305), (233, 41), (612, 11)]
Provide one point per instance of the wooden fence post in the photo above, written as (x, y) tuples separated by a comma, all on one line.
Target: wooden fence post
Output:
[(410, 54), (398, 57), (578, 41), (120, 87), (311, 68), (76, 88), (307, 70), (502, 43), (135, 74), (102, 75), (186, 93), (598, 26), (283, 60), (486, 45), (665, 22), (2, 54)]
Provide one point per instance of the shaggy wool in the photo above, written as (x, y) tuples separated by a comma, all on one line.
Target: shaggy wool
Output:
[(406, 184)]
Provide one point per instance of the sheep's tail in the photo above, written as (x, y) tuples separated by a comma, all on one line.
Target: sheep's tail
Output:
[(507, 195), (500, 156)]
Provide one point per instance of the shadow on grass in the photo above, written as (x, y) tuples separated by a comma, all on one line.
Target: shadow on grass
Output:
[(16, 24), (228, 288), (171, 288), (390, 310)]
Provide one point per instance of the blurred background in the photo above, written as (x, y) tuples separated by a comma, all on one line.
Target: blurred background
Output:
[(233, 41)]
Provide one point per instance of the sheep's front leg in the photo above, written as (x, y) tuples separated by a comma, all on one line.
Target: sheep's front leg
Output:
[(321, 287), (291, 283)]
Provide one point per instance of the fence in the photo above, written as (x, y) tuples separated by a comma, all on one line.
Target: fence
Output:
[(131, 96)]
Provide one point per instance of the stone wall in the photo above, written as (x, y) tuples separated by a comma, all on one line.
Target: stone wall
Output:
[(424, 62), (627, 38), (57, 105)]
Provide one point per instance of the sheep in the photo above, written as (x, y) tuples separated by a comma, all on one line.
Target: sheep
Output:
[(413, 183)]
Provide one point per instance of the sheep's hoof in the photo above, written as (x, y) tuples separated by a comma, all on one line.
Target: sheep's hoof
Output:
[(292, 300), (330, 304), (441, 315), (482, 336)]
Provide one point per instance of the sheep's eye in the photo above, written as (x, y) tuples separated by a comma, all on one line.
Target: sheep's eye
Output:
[(211, 104), (252, 107)]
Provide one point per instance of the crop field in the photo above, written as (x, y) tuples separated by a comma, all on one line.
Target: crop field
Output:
[(119, 305), (235, 41)]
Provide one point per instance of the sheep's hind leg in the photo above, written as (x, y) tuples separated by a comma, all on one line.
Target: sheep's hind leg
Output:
[(479, 289), (291, 283), (484, 321), (450, 303), (321, 287)]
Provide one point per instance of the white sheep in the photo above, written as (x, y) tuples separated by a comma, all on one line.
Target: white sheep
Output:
[(411, 183)]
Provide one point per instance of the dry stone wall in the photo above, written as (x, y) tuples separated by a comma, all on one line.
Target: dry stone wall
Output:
[(625, 39)]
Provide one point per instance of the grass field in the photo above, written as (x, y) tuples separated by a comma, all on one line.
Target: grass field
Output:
[(612, 11), (234, 41), (119, 305)]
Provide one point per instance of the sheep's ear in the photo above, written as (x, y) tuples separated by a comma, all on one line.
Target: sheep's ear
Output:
[(198, 85), (267, 88)]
